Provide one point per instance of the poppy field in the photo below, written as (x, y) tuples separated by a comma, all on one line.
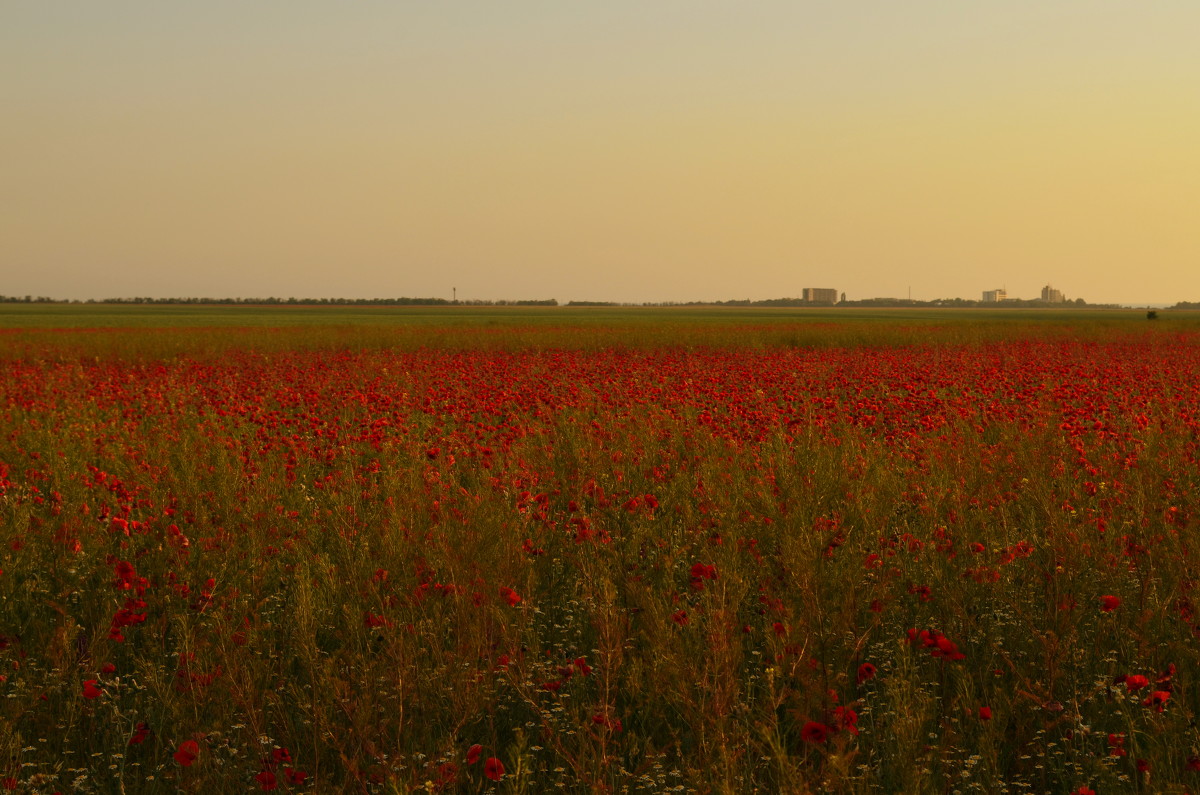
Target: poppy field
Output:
[(802, 557)]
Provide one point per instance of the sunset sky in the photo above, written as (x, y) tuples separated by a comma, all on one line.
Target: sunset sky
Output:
[(625, 151)]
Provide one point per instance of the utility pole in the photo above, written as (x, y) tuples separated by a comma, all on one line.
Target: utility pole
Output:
[(454, 290)]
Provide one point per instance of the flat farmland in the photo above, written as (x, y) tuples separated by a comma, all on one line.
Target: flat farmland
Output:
[(598, 550)]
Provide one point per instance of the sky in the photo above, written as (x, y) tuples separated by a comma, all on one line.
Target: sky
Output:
[(624, 150)]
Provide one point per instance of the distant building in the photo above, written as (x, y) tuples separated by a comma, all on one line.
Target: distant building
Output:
[(994, 296), (820, 295), (1052, 296)]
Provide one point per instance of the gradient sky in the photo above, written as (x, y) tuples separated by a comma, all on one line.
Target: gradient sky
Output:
[(617, 150)]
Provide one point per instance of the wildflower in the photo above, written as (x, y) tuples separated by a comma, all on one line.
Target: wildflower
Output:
[(510, 596), (814, 733), (1116, 745), (680, 617), (372, 621), (846, 718), (140, 733), (866, 671), (90, 689), (1136, 682), (493, 768), (1109, 603), (613, 724), (985, 713), (188, 752), (266, 780), (1157, 699), (473, 753)]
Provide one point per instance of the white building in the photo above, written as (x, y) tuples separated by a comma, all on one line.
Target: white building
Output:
[(1052, 296), (820, 295)]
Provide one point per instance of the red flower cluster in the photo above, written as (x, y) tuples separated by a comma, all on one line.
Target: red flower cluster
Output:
[(701, 572), (493, 768), (937, 643), (280, 758)]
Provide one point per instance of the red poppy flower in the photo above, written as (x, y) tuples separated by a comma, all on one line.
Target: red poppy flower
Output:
[(865, 671), (1157, 699), (493, 768), (985, 713), (189, 751), (90, 689), (473, 753), (846, 719), (1109, 603), (140, 734), (509, 595), (1136, 682), (613, 724), (814, 733), (266, 780)]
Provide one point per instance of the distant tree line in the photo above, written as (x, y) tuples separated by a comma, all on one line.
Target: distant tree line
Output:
[(1010, 303), (28, 299), (287, 301)]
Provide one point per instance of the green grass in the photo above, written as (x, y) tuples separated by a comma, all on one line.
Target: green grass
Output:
[(53, 331), (20, 315)]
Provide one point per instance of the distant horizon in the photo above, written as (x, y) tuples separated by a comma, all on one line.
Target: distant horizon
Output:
[(309, 299)]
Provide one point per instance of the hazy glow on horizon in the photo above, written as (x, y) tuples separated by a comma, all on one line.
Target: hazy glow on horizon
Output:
[(621, 151)]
